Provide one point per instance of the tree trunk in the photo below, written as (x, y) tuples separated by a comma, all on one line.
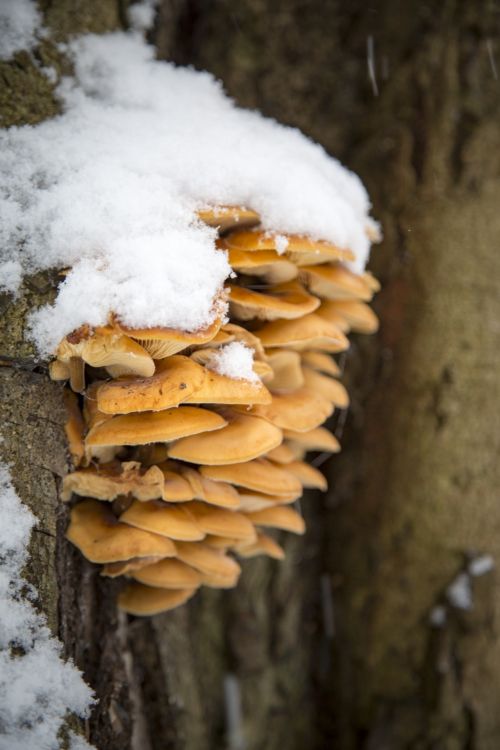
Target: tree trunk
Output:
[(413, 494)]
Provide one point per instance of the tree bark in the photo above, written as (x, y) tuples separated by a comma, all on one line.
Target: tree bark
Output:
[(414, 492)]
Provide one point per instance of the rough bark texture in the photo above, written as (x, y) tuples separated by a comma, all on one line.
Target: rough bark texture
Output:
[(414, 493)]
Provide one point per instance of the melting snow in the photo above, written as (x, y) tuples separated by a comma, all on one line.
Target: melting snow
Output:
[(37, 688)]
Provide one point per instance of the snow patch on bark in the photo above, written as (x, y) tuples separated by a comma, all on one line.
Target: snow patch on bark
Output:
[(19, 21), (37, 687)]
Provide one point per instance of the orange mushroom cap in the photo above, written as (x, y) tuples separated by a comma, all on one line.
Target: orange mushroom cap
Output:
[(138, 599), (243, 439), (102, 538)]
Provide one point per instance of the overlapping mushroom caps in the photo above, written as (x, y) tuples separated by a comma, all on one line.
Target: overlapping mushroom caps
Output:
[(178, 469)]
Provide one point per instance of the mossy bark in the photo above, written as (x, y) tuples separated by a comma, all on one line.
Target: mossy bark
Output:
[(414, 492)]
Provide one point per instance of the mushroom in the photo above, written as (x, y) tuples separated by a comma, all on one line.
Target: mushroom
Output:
[(244, 438), (221, 337), (298, 249), (169, 574), (359, 316), (321, 362), (251, 500), (125, 567), (263, 545), (259, 475), (330, 388), (215, 581), (175, 379), (221, 494), (74, 428), (309, 332), (141, 600), (336, 282), (178, 380), (289, 301), (308, 475), (220, 542), (281, 455), (107, 481), (102, 538), (91, 412), (59, 370), (232, 332), (221, 522), (207, 559), (220, 389), (235, 466), (102, 347), (164, 342), (329, 312), (154, 453), (225, 218), (279, 517), (266, 264), (175, 522), (371, 281), (318, 439), (287, 372), (300, 410), (176, 488), (93, 417), (152, 427), (297, 450)]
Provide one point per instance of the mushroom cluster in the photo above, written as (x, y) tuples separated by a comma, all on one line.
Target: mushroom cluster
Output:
[(180, 469)]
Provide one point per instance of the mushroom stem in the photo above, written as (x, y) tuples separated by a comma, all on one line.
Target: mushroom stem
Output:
[(77, 374)]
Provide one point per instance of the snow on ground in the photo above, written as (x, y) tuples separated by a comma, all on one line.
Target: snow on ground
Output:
[(234, 360), (111, 187), (19, 20), (37, 688)]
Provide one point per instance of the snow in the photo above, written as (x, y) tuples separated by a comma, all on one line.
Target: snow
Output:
[(234, 713), (459, 592), (234, 360), (37, 688), (111, 187), (437, 617), (76, 742), (281, 243), (481, 565), (141, 16), (19, 20)]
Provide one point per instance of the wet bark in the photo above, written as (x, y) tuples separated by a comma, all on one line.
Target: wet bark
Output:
[(414, 493)]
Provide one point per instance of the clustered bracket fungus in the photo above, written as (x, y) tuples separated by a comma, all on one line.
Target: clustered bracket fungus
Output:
[(178, 468)]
